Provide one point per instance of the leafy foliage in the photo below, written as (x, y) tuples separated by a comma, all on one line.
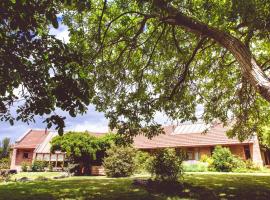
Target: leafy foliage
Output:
[(120, 161), (25, 166), (38, 166), (142, 160), (82, 148), (166, 165), (44, 69), (161, 67), (4, 163), (225, 161), (130, 61), (4, 148)]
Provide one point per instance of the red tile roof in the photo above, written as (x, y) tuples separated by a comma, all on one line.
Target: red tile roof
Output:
[(31, 139), (216, 135)]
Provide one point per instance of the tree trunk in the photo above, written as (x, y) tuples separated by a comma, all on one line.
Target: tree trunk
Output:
[(250, 69)]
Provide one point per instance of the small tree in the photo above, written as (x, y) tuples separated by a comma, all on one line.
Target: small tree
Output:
[(223, 159), (82, 149), (25, 166), (120, 161), (4, 148), (166, 165)]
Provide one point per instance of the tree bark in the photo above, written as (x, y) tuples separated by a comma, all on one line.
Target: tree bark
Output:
[(249, 67)]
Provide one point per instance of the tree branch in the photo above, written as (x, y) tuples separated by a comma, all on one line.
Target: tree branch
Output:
[(183, 76), (250, 69)]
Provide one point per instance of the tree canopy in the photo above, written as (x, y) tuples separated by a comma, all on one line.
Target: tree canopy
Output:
[(132, 59), (83, 148)]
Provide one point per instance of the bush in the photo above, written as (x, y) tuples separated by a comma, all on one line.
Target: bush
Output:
[(142, 160), (120, 161), (223, 159), (166, 165), (38, 166), (250, 165), (50, 167), (4, 163), (25, 166), (195, 166)]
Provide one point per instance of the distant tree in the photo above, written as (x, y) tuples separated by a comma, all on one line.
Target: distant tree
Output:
[(4, 148)]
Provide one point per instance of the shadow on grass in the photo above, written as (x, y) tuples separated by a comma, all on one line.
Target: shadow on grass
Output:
[(88, 189), (176, 190)]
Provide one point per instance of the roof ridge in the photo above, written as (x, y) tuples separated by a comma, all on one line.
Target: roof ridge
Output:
[(23, 136)]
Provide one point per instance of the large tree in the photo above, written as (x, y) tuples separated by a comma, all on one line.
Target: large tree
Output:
[(135, 58)]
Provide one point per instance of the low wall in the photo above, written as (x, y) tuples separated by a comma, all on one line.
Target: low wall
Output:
[(97, 171)]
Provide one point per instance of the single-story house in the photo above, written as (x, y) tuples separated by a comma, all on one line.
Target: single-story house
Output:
[(196, 139)]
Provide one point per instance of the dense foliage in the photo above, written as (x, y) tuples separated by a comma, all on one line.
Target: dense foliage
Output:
[(132, 59), (5, 153), (142, 160), (38, 72), (38, 166), (225, 161), (120, 161), (4, 148), (83, 148), (25, 166), (166, 165)]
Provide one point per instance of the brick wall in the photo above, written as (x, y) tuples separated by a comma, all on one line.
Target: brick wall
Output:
[(19, 156), (204, 151), (256, 152), (238, 150)]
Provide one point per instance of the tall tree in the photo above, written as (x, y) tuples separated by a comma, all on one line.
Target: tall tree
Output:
[(4, 148), (170, 56), (134, 58)]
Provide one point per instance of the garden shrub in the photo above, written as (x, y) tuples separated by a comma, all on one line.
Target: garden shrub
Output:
[(38, 166), (166, 165), (120, 161), (4, 163), (195, 166), (25, 166), (223, 159), (142, 160), (250, 165), (50, 167)]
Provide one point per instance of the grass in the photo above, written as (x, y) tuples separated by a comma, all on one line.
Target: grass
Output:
[(196, 186), (34, 175)]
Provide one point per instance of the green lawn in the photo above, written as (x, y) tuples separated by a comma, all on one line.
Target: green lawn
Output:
[(196, 186)]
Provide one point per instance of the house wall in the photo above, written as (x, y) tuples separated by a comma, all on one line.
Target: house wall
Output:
[(238, 150), (205, 151), (19, 156), (256, 152)]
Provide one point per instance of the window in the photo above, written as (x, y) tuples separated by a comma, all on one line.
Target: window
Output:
[(26, 155), (190, 155), (247, 152)]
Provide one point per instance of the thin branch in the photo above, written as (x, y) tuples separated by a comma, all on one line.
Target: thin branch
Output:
[(100, 20), (264, 64), (175, 41), (182, 77)]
